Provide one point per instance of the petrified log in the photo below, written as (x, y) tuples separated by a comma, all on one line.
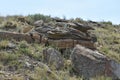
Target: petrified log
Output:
[(38, 38), (17, 36), (70, 43)]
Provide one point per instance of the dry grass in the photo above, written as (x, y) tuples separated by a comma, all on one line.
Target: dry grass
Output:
[(109, 41)]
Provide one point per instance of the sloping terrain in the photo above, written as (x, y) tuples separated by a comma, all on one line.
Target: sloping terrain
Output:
[(29, 58)]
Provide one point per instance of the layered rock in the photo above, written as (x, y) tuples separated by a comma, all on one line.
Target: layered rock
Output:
[(63, 34)]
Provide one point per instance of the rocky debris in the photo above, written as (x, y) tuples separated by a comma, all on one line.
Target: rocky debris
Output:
[(11, 45), (38, 23), (53, 57), (13, 75), (89, 63)]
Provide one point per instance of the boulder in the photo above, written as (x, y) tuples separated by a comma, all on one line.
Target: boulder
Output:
[(89, 63), (115, 68), (53, 58)]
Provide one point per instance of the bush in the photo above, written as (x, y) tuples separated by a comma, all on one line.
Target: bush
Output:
[(36, 17), (107, 23)]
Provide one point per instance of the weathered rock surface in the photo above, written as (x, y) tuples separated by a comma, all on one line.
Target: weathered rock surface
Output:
[(11, 45), (38, 23), (115, 68), (88, 63), (53, 57)]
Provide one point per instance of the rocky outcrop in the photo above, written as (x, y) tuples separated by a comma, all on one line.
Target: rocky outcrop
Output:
[(53, 58), (89, 63), (63, 34)]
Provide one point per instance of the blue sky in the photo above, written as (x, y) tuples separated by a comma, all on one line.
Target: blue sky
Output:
[(96, 10)]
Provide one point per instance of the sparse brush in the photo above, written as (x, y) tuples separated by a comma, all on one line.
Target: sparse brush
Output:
[(3, 44), (10, 25)]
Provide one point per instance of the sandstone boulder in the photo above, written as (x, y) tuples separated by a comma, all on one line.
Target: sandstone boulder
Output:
[(89, 64)]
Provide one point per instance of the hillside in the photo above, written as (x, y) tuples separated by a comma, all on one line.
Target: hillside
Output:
[(39, 47)]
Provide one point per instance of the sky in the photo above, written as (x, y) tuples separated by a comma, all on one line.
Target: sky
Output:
[(96, 10)]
